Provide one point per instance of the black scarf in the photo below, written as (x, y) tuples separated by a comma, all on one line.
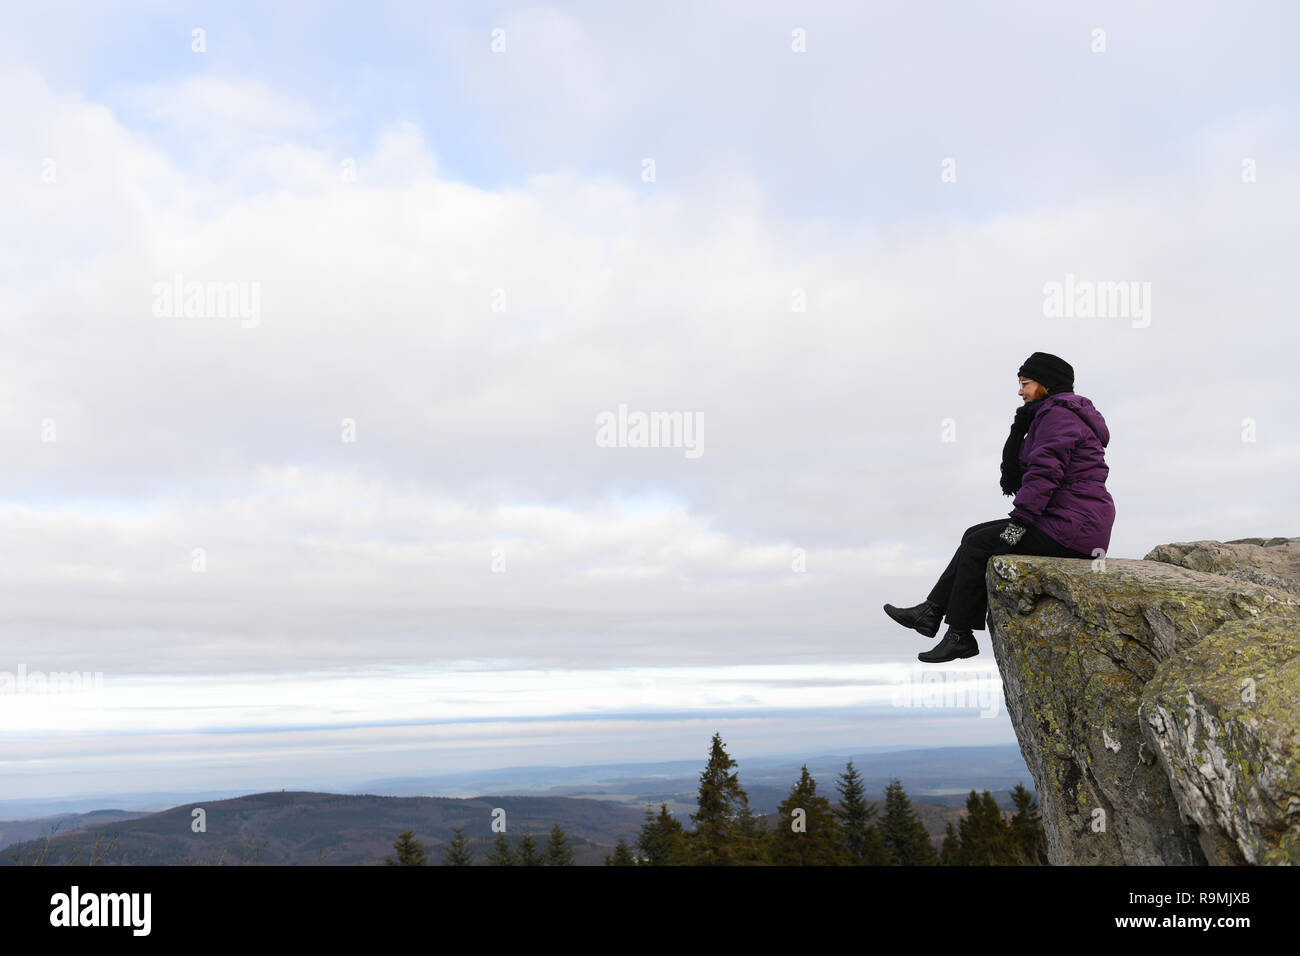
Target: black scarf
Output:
[(1011, 450)]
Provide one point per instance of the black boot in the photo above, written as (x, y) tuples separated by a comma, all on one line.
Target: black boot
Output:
[(958, 642), (924, 618)]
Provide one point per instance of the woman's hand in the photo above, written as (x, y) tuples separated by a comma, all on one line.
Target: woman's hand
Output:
[(1012, 533)]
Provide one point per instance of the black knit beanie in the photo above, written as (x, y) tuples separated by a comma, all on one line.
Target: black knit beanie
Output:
[(1050, 371)]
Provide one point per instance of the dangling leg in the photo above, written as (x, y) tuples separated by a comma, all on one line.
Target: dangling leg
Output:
[(968, 594), (926, 617), (942, 592)]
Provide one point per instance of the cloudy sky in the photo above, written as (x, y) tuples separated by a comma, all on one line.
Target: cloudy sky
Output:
[(361, 522)]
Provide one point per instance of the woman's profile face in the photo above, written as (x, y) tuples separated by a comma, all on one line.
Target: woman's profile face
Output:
[(1030, 390)]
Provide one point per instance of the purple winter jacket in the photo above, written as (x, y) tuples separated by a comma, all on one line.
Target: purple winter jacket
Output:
[(1063, 484)]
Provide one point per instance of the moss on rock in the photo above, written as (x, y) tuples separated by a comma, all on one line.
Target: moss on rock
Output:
[(1080, 645)]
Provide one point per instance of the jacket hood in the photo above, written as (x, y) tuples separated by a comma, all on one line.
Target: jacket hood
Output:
[(1085, 410)]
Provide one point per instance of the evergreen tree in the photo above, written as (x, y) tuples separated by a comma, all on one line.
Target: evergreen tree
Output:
[(529, 855), (862, 843), (457, 852), (558, 852), (903, 833), (662, 841), (874, 851), (755, 841), (951, 850), (984, 833), (502, 853), (808, 834), (622, 855), (718, 838), (1027, 838), (410, 851)]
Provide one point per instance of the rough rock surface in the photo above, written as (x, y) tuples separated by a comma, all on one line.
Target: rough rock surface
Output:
[(1272, 562), (1222, 719), (1157, 705)]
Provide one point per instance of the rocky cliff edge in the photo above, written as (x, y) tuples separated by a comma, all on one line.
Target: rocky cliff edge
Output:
[(1157, 702)]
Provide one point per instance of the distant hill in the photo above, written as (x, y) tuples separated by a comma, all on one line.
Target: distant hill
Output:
[(594, 805), (300, 828), (19, 831)]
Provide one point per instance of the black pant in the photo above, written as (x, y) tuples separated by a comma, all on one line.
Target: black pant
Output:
[(961, 589)]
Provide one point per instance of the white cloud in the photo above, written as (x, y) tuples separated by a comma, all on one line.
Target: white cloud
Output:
[(210, 107), (822, 426), (475, 427)]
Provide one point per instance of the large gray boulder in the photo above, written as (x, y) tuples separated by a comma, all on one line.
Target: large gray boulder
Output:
[(1157, 705)]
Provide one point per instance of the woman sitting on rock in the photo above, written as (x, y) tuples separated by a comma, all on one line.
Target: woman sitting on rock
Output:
[(1055, 464)]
